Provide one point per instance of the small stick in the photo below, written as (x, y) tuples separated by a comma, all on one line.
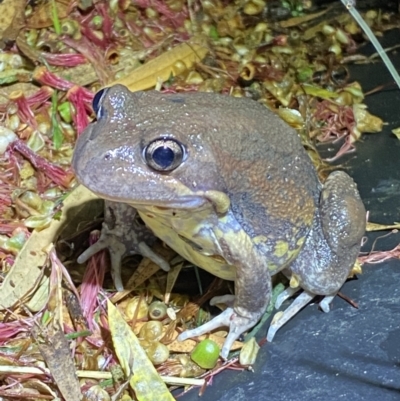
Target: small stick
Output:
[(351, 6)]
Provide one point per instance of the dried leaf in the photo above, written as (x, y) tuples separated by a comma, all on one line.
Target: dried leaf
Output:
[(42, 16), (24, 276), (161, 68), (40, 297), (356, 269), (382, 227), (26, 88), (55, 351), (317, 91), (11, 20), (15, 75), (291, 22), (365, 121), (249, 352), (144, 379), (396, 131)]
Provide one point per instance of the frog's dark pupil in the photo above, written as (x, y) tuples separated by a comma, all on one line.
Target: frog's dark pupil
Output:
[(163, 156)]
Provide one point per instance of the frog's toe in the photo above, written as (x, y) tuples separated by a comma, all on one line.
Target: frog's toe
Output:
[(228, 300), (284, 295), (146, 251), (104, 242), (116, 257), (299, 303), (228, 318), (218, 321), (116, 249), (326, 302)]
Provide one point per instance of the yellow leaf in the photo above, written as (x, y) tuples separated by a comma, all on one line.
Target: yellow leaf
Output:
[(145, 380), (172, 62), (396, 131), (382, 227), (317, 91)]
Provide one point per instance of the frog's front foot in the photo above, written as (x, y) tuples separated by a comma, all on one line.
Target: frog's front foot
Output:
[(228, 318), (122, 235)]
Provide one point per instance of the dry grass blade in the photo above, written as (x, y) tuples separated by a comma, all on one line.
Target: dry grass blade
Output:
[(382, 227), (300, 20), (161, 68), (171, 280)]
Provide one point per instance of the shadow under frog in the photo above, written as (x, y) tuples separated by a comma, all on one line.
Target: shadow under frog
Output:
[(226, 184)]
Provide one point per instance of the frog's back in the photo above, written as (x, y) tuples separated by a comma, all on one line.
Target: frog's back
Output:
[(257, 159)]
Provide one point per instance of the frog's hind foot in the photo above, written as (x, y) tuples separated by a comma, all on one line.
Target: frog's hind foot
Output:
[(284, 295), (326, 303), (299, 303), (282, 317)]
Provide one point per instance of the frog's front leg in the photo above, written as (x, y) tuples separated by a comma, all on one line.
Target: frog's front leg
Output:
[(122, 234), (252, 294)]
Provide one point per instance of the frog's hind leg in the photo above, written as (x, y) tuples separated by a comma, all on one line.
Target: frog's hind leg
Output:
[(299, 303), (330, 250)]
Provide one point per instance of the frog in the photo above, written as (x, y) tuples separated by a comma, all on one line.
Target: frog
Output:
[(228, 185)]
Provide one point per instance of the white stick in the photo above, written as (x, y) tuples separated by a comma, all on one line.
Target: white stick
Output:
[(178, 381), (351, 6)]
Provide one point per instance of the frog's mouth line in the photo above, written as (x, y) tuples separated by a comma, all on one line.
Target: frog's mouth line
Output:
[(192, 202)]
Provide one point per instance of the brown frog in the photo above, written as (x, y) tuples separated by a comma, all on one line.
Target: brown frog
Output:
[(226, 184)]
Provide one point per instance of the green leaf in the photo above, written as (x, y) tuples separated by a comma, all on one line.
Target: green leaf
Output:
[(213, 33), (56, 20), (58, 136)]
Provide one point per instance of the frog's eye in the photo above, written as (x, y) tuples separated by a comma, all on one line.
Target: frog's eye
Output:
[(96, 103), (164, 154)]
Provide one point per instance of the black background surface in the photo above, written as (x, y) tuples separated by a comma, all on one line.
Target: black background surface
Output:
[(347, 354)]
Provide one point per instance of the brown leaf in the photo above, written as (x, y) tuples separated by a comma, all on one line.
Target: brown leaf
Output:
[(55, 351), (11, 19), (42, 15)]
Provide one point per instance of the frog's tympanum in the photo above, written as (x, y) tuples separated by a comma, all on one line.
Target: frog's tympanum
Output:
[(226, 184)]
